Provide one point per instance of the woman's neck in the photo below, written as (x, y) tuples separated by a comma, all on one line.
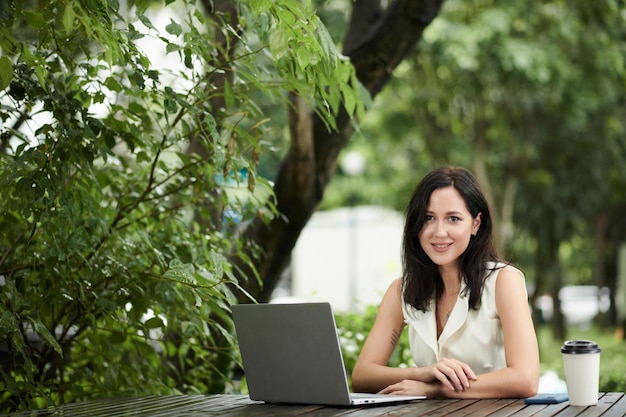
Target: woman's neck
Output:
[(451, 280)]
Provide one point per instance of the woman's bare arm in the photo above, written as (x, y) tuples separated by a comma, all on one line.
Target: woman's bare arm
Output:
[(371, 373)]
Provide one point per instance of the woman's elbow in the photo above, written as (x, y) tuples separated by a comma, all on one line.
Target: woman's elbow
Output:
[(527, 386), (358, 381), (363, 379)]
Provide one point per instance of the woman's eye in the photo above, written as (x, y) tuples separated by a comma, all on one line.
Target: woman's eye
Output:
[(429, 218), (454, 219)]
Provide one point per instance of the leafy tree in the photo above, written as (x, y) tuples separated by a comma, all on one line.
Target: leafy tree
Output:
[(531, 98), (122, 183)]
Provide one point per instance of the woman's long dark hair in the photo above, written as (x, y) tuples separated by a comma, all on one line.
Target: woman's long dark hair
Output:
[(421, 278)]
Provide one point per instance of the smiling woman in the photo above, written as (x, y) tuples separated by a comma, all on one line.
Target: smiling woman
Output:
[(447, 229), (469, 326)]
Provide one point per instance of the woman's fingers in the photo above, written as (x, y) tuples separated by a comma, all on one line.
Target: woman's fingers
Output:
[(453, 374), (394, 389), (440, 374), (406, 387)]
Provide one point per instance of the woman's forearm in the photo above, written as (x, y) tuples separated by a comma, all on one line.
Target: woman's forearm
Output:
[(504, 383), (373, 377)]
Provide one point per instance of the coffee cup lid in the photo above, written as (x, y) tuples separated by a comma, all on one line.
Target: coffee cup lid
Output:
[(580, 346)]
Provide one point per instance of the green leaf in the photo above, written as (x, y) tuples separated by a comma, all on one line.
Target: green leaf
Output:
[(143, 157), (142, 5), (68, 18), (326, 42), (172, 47), (28, 56), (45, 335), (211, 125), (174, 28), (180, 271), (146, 22), (278, 43), (41, 72), (6, 72), (7, 41), (35, 19), (189, 58), (228, 94), (113, 84), (349, 100), (304, 58), (260, 6), (286, 17), (154, 323), (8, 322), (137, 79), (170, 105), (134, 35)]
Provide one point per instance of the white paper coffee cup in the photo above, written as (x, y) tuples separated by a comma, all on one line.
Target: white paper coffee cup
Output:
[(581, 361)]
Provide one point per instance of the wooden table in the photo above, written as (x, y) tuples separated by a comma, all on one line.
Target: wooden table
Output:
[(611, 404)]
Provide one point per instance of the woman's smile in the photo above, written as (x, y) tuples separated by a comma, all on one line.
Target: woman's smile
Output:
[(441, 246)]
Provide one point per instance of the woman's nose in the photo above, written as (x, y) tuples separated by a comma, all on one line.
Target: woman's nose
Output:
[(440, 229)]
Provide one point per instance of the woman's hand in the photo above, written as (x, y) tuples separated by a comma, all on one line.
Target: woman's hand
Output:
[(446, 374), (451, 373), (411, 387)]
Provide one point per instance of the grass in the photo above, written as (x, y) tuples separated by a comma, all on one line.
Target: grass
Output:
[(612, 369)]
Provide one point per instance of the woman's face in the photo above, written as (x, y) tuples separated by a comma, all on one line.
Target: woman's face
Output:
[(448, 227)]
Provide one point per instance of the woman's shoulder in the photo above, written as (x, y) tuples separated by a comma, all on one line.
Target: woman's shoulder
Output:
[(397, 286), (502, 272), (495, 269), (395, 290)]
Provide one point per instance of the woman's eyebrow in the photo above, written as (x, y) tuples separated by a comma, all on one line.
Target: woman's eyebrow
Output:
[(448, 213)]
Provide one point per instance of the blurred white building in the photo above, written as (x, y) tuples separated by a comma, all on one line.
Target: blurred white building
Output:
[(347, 257)]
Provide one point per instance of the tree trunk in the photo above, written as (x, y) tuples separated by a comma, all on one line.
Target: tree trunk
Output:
[(548, 277), (387, 37)]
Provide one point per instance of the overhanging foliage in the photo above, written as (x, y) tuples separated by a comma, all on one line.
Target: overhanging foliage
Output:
[(116, 241)]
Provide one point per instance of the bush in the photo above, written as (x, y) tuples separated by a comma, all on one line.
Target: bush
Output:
[(122, 185), (353, 328)]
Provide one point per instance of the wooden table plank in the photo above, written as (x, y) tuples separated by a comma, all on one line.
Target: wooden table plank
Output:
[(609, 405), (542, 410), (423, 408), (613, 404), (450, 407), (515, 408), (519, 409), (259, 409), (494, 407)]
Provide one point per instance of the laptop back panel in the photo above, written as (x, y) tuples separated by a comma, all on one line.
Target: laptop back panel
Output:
[(291, 353)]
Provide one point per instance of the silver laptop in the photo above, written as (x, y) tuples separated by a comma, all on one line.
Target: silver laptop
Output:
[(291, 354)]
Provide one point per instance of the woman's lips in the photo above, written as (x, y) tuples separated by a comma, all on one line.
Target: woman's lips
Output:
[(441, 247)]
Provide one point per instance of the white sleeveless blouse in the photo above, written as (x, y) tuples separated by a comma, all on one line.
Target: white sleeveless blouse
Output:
[(470, 336)]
